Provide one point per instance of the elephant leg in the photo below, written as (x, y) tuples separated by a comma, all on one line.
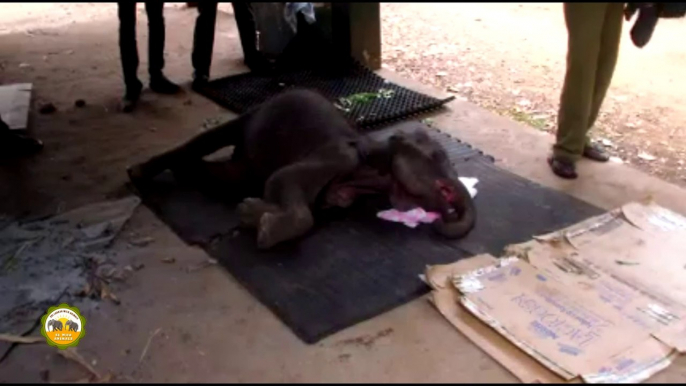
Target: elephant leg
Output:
[(191, 151), (221, 179), (291, 190)]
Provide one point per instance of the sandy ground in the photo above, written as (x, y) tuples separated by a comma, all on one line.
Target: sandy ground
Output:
[(510, 59), (69, 52)]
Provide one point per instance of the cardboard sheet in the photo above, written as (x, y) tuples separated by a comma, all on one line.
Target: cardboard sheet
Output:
[(15, 101), (601, 301)]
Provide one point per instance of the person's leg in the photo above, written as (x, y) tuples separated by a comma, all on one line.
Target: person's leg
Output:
[(609, 52), (16, 145), (203, 42), (156, 36), (247, 30), (584, 26), (128, 50)]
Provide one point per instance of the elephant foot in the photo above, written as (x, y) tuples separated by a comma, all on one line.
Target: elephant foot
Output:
[(251, 211), (275, 228)]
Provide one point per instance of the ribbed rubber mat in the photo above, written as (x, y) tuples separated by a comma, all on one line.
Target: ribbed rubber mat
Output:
[(241, 92), (354, 266)]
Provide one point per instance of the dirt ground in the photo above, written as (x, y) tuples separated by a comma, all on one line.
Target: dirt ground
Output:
[(510, 59), (69, 52)]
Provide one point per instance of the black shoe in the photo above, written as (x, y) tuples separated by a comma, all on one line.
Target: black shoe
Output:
[(199, 81), (258, 63), (133, 93), (596, 153), (17, 145), (161, 85), (563, 168)]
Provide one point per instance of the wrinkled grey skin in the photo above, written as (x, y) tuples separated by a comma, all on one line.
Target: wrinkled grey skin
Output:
[(55, 324), (296, 149)]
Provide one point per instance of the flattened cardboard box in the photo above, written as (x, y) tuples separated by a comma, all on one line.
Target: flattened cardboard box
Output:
[(581, 304)]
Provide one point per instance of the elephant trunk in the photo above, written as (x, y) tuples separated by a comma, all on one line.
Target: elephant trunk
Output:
[(459, 217)]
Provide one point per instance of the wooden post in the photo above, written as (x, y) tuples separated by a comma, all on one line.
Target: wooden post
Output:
[(356, 30)]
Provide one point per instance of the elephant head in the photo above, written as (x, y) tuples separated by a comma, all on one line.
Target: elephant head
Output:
[(422, 176)]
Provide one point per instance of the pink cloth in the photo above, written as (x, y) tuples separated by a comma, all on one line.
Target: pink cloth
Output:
[(411, 218)]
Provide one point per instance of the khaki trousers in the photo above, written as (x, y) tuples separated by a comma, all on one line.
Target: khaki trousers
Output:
[(594, 32)]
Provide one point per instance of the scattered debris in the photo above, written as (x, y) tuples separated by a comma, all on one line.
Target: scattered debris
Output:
[(621, 262), (169, 260), (207, 263), (141, 242), (21, 339), (24, 65), (367, 340), (646, 157), (428, 121), (72, 354), (135, 267), (147, 345), (80, 103), (364, 97), (344, 357), (105, 293), (606, 142), (47, 108), (441, 74)]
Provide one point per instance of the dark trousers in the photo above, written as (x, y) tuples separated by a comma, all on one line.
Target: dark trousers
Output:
[(128, 45), (203, 37)]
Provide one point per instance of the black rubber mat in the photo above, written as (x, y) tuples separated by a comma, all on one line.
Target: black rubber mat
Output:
[(241, 92), (354, 266)]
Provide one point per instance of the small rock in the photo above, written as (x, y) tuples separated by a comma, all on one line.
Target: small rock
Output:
[(646, 157), (24, 65), (138, 266), (47, 108), (169, 260), (616, 160), (188, 102), (79, 103), (606, 142), (441, 73)]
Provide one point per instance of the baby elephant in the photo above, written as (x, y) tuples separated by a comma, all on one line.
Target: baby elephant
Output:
[(299, 151)]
